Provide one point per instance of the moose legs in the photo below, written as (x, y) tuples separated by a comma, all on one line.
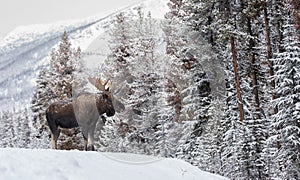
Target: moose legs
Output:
[(85, 137), (55, 131), (91, 135), (88, 134)]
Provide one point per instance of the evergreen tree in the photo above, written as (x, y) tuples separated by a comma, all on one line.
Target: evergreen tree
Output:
[(41, 100), (199, 15), (55, 84), (206, 152), (175, 38), (117, 69), (7, 131), (63, 63), (187, 52), (286, 121), (17, 130), (145, 85), (294, 8)]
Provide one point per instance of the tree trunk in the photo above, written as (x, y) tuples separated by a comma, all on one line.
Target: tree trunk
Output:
[(235, 68), (270, 63), (237, 81), (295, 13), (253, 70), (269, 56)]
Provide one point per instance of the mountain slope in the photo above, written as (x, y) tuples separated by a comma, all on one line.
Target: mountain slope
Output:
[(26, 50)]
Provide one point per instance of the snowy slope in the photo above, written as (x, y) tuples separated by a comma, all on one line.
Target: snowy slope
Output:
[(26, 49), (61, 165)]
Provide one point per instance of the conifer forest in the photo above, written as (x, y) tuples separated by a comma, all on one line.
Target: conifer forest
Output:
[(215, 83)]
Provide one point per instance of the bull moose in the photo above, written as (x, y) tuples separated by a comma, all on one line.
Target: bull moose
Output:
[(84, 112)]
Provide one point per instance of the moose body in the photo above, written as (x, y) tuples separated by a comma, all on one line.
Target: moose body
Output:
[(84, 112)]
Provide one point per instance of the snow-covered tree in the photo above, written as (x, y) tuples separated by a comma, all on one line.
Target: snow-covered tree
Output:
[(187, 53), (17, 130), (116, 68), (286, 121), (63, 64), (145, 86), (294, 8), (7, 131), (175, 38), (41, 98), (55, 83)]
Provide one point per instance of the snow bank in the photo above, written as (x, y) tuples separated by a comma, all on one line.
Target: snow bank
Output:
[(49, 164)]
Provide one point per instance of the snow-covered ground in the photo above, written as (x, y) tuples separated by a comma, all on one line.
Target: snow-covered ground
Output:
[(62, 165)]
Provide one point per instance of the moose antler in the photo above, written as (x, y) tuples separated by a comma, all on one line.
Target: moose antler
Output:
[(100, 85)]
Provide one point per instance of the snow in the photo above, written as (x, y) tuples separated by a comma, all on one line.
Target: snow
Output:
[(61, 165), (298, 106), (157, 9)]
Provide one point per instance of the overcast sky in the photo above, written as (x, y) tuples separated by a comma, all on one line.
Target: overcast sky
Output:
[(14, 13)]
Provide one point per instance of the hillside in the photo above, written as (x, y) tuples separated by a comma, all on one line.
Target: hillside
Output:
[(25, 50), (61, 165)]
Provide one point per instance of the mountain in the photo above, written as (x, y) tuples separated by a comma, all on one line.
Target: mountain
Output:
[(25, 50)]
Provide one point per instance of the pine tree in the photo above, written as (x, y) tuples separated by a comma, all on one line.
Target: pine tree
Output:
[(231, 126), (63, 64), (7, 131), (207, 149), (55, 84), (175, 38), (79, 74), (286, 121), (117, 69), (276, 12), (144, 87), (17, 130), (188, 56), (269, 51), (41, 100), (295, 13), (201, 18)]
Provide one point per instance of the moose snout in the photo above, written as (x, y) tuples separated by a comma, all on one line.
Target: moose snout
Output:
[(110, 112)]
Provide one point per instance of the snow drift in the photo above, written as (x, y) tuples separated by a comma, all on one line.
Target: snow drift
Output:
[(49, 164)]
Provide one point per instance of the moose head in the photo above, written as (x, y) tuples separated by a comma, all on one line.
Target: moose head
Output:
[(104, 104)]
